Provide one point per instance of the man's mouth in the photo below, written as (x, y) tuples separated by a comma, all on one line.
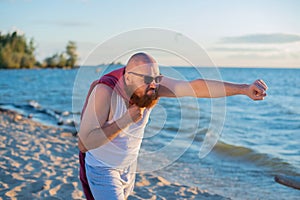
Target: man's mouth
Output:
[(151, 92)]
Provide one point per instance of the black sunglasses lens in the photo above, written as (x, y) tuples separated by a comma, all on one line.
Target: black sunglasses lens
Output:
[(148, 79), (158, 79)]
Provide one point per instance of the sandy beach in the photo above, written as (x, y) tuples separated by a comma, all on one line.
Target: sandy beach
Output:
[(40, 162)]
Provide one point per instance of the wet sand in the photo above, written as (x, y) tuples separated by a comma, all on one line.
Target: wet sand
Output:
[(40, 162)]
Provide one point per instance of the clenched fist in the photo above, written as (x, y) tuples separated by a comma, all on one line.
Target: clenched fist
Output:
[(132, 115), (257, 90)]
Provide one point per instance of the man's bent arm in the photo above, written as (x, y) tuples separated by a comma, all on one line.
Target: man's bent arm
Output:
[(94, 129), (101, 135)]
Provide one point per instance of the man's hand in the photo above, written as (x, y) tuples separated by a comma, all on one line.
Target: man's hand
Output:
[(257, 90), (133, 115)]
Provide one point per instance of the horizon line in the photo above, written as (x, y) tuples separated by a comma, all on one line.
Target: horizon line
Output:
[(255, 67)]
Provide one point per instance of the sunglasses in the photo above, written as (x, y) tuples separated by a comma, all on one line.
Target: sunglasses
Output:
[(148, 79)]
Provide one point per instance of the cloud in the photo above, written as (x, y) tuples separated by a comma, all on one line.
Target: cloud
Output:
[(253, 56), (237, 49), (274, 38)]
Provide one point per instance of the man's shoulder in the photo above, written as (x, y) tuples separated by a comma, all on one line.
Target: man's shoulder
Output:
[(112, 78), (103, 89)]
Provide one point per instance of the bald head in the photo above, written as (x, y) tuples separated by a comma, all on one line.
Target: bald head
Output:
[(139, 60)]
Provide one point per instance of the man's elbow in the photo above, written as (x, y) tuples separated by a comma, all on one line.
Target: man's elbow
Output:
[(81, 146)]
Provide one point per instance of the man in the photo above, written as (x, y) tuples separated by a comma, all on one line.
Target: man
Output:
[(116, 112)]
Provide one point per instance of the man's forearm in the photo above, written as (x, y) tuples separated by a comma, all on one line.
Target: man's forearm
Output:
[(91, 139), (213, 89), (101, 135)]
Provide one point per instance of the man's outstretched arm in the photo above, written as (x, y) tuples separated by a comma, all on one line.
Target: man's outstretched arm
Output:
[(211, 89)]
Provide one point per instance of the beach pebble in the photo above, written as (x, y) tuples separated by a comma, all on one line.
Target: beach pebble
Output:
[(163, 181), (65, 113), (66, 134), (18, 117)]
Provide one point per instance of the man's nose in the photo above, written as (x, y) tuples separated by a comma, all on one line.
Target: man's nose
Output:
[(153, 84)]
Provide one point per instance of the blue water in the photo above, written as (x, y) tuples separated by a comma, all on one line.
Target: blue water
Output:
[(259, 139)]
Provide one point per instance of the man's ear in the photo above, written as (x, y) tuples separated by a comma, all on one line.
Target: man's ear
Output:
[(128, 79)]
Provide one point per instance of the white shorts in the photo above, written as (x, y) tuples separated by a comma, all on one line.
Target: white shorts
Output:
[(108, 183)]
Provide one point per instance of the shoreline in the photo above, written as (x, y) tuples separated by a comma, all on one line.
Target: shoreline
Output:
[(40, 162)]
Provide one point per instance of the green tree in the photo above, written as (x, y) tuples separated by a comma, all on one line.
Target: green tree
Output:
[(62, 61), (57, 60), (65, 59), (52, 61), (71, 51), (15, 52)]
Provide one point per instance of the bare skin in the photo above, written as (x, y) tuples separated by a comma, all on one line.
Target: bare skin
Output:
[(98, 134), (105, 132)]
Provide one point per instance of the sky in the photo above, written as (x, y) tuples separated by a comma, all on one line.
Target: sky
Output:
[(248, 33)]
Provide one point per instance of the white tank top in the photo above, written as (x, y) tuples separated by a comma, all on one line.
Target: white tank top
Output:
[(123, 150)]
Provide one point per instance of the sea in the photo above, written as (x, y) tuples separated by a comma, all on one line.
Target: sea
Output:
[(231, 146)]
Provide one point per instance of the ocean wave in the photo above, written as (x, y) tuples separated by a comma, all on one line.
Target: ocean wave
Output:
[(199, 135), (248, 155), (48, 116)]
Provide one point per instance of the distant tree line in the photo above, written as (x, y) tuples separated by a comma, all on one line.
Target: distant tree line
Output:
[(65, 59), (16, 52)]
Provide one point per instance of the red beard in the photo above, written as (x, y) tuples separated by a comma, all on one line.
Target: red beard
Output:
[(146, 101)]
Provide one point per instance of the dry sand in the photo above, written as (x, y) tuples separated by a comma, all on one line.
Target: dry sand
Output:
[(40, 162)]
